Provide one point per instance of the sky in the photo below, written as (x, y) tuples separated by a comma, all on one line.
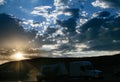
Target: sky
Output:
[(65, 28)]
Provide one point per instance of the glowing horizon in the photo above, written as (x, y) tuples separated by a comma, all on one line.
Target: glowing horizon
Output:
[(18, 56)]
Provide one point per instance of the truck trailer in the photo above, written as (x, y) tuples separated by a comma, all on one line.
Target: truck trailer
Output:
[(73, 70)]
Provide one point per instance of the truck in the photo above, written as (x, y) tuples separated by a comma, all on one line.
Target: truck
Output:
[(72, 70)]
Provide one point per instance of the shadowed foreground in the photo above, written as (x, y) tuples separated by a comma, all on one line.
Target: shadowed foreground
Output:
[(28, 70)]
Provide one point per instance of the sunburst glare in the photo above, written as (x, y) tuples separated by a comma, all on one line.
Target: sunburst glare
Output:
[(18, 56)]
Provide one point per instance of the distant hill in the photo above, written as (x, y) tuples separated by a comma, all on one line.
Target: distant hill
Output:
[(29, 69)]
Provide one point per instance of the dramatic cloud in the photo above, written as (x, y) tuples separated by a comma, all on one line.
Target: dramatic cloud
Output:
[(113, 3), (106, 3), (41, 10), (51, 14), (100, 3), (63, 26), (74, 11), (93, 26), (70, 25), (101, 32), (12, 33), (61, 4)]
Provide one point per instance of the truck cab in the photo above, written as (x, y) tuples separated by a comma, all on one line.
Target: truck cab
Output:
[(84, 69)]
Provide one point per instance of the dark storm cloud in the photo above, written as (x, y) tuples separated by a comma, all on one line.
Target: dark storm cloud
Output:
[(9, 26), (11, 30), (112, 3), (114, 28), (67, 47), (47, 37), (70, 23), (69, 29), (106, 3), (102, 32), (111, 46), (104, 14), (93, 26)]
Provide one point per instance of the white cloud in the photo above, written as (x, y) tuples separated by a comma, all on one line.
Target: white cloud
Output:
[(89, 53), (2, 2), (52, 14), (49, 47), (84, 13), (32, 23), (94, 15), (60, 2), (67, 13), (100, 3), (49, 14), (45, 11), (42, 7), (41, 10), (60, 32), (81, 47), (82, 21)]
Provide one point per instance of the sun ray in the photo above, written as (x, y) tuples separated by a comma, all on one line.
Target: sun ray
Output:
[(18, 56)]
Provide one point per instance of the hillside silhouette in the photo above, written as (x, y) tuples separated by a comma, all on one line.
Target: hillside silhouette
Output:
[(23, 70)]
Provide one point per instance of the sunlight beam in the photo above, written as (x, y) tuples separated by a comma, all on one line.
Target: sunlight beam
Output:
[(18, 56)]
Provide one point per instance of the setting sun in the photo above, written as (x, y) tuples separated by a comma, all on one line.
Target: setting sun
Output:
[(18, 56)]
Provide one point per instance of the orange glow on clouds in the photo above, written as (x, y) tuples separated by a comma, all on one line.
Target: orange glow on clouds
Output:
[(18, 56)]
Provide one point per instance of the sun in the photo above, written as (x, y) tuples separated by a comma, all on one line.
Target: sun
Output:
[(18, 56)]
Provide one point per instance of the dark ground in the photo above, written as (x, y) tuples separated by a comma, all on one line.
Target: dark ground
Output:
[(28, 69)]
